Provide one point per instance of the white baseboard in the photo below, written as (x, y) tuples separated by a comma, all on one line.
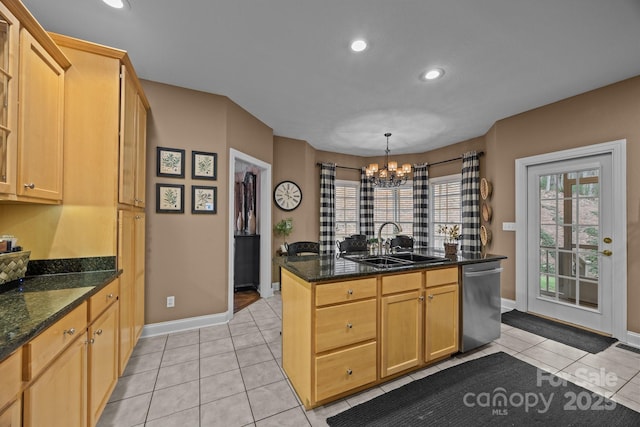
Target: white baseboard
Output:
[(508, 305), (187, 324), (633, 339), (275, 286)]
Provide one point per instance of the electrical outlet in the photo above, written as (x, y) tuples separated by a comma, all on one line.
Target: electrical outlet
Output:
[(171, 302), (509, 226)]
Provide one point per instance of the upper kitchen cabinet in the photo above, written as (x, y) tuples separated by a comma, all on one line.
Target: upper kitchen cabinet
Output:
[(133, 134), (32, 73)]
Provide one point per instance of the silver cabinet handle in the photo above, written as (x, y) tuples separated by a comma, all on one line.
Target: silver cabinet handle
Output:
[(31, 186), (98, 332), (91, 341), (349, 372), (69, 332), (349, 325), (421, 298), (430, 296), (109, 296), (350, 292)]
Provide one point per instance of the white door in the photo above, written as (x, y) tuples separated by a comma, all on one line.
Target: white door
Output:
[(569, 238)]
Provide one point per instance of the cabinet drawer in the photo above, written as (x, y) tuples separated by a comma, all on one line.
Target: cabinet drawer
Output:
[(345, 370), (350, 290), (10, 377), (442, 276), (345, 324), (46, 346), (401, 282), (104, 298)]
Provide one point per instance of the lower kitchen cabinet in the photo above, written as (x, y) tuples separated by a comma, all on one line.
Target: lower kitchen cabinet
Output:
[(364, 331), (10, 384), (11, 417), (401, 323), (441, 321), (58, 397), (103, 361)]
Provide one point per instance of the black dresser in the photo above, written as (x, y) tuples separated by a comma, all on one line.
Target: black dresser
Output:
[(246, 261)]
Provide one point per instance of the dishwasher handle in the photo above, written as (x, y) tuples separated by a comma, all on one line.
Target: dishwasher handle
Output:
[(482, 272)]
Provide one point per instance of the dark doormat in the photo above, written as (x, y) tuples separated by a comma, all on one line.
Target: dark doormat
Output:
[(569, 335), (495, 390)]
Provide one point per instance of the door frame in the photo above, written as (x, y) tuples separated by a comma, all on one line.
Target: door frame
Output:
[(263, 225), (618, 151)]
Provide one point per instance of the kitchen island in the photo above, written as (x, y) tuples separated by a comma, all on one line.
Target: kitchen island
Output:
[(348, 325)]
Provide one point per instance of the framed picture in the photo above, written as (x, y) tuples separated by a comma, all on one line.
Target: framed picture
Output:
[(204, 165), (170, 162), (204, 200), (169, 198)]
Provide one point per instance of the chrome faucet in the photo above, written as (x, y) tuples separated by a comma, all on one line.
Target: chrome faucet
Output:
[(397, 227)]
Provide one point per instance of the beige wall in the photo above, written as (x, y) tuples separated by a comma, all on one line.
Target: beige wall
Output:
[(187, 255), (602, 115)]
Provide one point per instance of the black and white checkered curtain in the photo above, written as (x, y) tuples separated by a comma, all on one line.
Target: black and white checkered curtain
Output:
[(421, 205), (366, 206), (327, 208), (470, 202)]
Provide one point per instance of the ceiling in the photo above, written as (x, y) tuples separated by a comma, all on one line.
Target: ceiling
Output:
[(288, 62)]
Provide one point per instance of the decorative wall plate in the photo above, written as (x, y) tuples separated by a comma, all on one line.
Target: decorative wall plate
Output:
[(487, 212), (485, 235), (485, 189)]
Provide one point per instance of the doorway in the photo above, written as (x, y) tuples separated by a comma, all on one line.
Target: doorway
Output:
[(238, 160), (574, 238)]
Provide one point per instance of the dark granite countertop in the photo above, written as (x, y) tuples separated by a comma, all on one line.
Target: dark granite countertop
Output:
[(319, 268), (39, 301)]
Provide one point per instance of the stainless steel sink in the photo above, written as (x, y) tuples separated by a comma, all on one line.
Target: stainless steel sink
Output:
[(395, 260)]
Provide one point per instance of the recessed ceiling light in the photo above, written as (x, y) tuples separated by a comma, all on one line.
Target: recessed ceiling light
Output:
[(434, 73), (358, 45), (116, 4)]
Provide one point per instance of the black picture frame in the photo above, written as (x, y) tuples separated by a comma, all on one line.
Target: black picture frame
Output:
[(170, 162), (169, 198), (204, 199), (204, 165)]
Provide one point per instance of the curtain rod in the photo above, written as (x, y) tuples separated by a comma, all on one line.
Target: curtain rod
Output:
[(480, 154)]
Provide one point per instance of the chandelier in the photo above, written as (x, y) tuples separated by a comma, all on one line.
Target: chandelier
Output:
[(389, 175)]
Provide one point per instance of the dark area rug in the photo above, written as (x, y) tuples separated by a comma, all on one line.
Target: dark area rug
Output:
[(495, 390), (569, 335), (628, 348)]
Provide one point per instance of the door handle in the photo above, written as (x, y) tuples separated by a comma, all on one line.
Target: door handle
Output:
[(606, 252)]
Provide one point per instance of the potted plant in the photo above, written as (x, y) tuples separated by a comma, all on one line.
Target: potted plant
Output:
[(451, 236), (283, 228)]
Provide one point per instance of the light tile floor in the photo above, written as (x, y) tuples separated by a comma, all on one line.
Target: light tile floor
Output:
[(230, 375)]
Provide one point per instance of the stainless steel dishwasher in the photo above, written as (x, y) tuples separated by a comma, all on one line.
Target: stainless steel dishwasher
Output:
[(480, 304)]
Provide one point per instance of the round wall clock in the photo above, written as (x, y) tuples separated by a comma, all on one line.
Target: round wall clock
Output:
[(287, 195)]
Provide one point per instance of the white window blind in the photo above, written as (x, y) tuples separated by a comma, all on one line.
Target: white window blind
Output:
[(346, 208), (394, 204), (445, 201)]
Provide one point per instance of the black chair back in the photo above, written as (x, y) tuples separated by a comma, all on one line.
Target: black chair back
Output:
[(351, 244), (402, 242), (298, 248)]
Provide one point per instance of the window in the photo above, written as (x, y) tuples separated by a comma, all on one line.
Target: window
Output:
[(346, 208), (445, 204), (394, 204)]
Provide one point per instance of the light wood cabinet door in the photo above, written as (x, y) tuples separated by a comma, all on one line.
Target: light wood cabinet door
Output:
[(12, 416), (141, 153), (401, 332), (128, 137), (441, 321), (58, 398), (103, 361), (139, 269), (40, 122), (9, 45), (126, 263)]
